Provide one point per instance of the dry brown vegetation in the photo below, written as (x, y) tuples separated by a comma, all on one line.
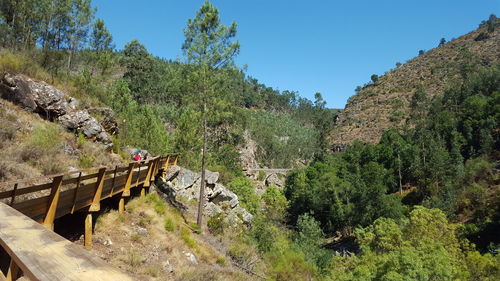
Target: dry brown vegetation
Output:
[(385, 103), (31, 146), (152, 241)]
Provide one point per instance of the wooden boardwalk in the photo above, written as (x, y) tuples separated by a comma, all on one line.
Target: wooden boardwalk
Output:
[(62, 194), (41, 254)]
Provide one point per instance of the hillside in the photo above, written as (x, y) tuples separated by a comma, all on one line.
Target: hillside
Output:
[(386, 103)]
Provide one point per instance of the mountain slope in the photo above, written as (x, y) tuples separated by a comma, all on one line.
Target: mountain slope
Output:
[(385, 103)]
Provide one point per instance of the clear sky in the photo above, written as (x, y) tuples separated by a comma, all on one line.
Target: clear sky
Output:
[(306, 46)]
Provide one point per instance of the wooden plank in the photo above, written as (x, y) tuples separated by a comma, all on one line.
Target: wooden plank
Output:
[(126, 190), (26, 190), (43, 255), (13, 271), (75, 197), (88, 232), (53, 201), (96, 202)]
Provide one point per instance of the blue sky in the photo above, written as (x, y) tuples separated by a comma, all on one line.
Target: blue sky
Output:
[(306, 46)]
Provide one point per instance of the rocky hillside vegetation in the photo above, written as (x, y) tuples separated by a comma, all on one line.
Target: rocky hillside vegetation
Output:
[(385, 102)]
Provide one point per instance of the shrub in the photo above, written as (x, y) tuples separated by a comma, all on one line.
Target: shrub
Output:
[(261, 176), (80, 140), (275, 203), (46, 137), (168, 224), (374, 78), (245, 190), (18, 63), (134, 259), (221, 261), (216, 224), (186, 237), (86, 161)]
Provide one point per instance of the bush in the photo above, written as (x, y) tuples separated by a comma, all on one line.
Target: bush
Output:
[(18, 63), (186, 237), (245, 190), (216, 224), (86, 161), (168, 224), (275, 203), (261, 176), (221, 261)]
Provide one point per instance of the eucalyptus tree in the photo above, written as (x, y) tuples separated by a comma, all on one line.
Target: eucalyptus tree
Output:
[(211, 48)]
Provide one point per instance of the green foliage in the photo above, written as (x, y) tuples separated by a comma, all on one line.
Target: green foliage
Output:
[(245, 190), (47, 137), (342, 192), (186, 237), (86, 161), (309, 238), (169, 224), (261, 176), (424, 247), (275, 203), (80, 140), (374, 78), (281, 139), (216, 224)]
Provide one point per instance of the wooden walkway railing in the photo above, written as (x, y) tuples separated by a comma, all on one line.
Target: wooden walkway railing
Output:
[(82, 190)]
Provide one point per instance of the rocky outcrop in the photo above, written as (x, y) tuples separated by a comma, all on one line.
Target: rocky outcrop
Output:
[(248, 151), (184, 183), (274, 179), (54, 105)]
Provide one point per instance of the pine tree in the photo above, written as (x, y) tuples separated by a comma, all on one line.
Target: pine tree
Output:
[(210, 48)]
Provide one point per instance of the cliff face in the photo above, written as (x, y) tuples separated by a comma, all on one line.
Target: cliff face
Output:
[(385, 103)]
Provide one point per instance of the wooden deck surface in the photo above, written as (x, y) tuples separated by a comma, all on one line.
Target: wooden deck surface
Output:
[(44, 255)]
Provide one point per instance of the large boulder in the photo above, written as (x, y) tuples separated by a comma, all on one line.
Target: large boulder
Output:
[(108, 122), (52, 104), (185, 178), (211, 177), (274, 179)]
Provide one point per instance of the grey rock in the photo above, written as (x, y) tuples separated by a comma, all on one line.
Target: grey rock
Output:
[(212, 209), (242, 213), (211, 177), (191, 258), (172, 172), (167, 266), (273, 179), (223, 196), (142, 231), (16, 89), (51, 103), (109, 122), (185, 179)]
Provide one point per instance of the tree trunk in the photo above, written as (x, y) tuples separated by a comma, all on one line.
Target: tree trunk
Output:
[(399, 170), (201, 200)]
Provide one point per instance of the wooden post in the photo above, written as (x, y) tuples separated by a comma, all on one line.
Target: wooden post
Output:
[(121, 205), (53, 200), (88, 231), (96, 202), (126, 189), (113, 183), (166, 163), (13, 195), (147, 182), (13, 272), (75, 198)]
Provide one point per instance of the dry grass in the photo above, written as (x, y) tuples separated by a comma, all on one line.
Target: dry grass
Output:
[(145, 255), (31, 146)]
